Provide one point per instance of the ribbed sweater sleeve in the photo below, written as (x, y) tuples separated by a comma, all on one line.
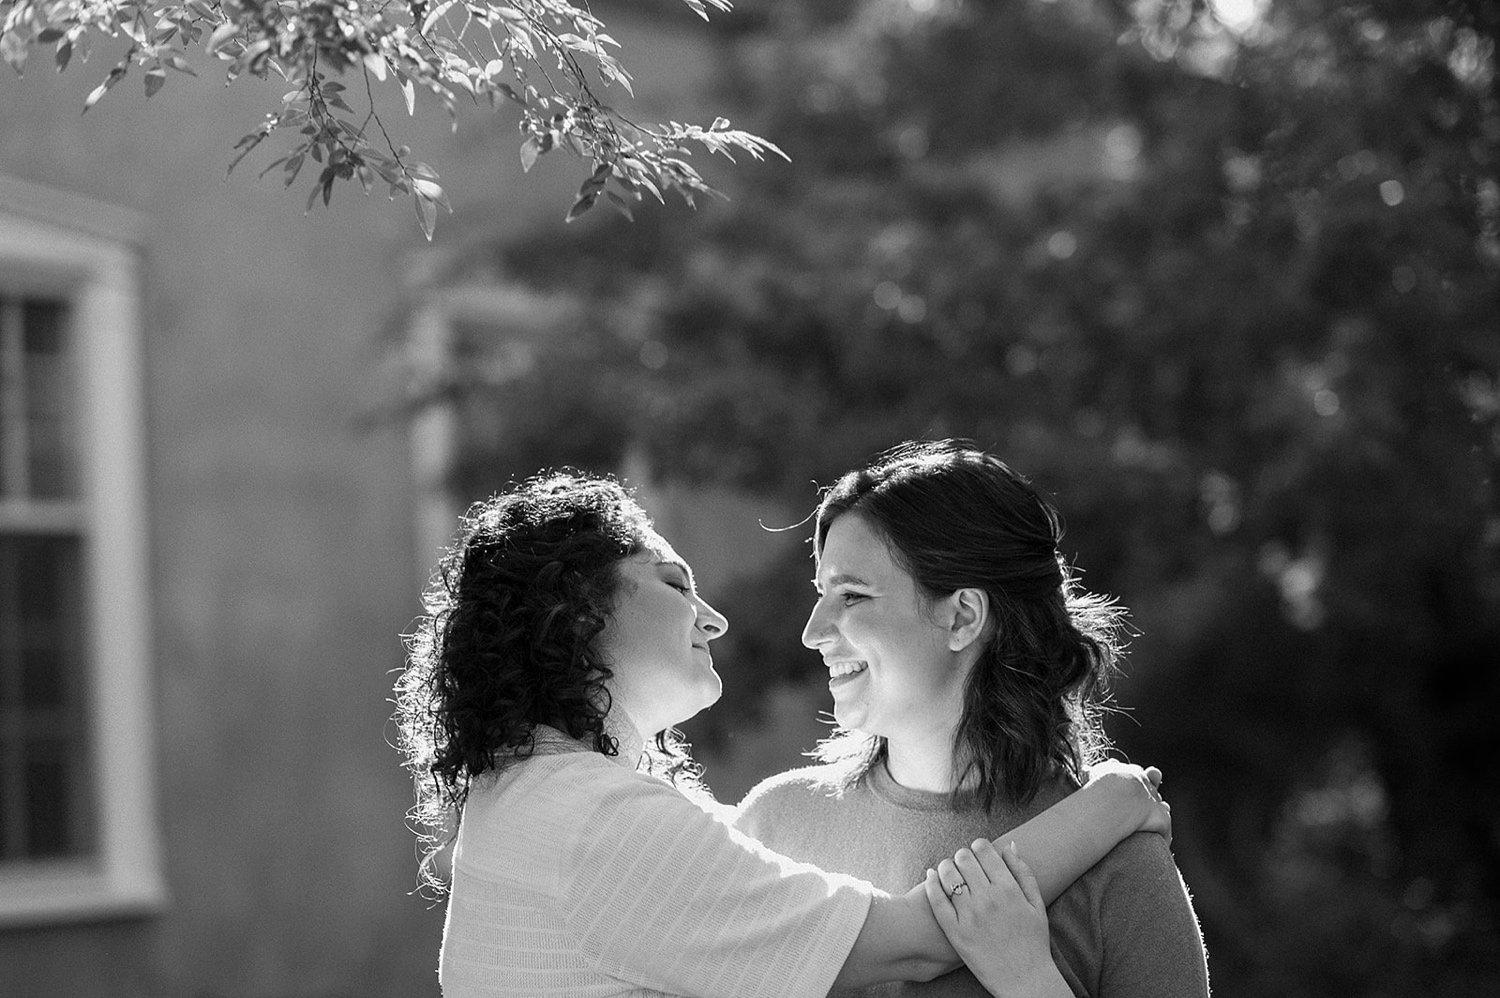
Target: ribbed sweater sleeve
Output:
[(579, 878)]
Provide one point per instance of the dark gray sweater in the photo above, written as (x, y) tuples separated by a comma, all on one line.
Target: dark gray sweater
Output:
[(1125, 929)]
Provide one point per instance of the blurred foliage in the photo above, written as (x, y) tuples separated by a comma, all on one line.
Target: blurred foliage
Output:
[(1223, 277)]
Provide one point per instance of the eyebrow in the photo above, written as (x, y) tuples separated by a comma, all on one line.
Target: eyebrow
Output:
[(844, 579), (681, 566)]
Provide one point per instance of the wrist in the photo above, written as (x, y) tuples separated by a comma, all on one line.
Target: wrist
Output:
[(1130, 801)]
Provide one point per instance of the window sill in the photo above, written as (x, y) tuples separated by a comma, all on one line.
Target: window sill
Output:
[(36, 894)]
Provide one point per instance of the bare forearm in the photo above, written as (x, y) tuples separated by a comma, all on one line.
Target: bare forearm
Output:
[(1068, 838), (902, 941)]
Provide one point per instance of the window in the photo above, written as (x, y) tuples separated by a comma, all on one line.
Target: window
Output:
[(78, 824), (43, 766)]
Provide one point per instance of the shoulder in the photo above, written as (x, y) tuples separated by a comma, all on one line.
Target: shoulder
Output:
[(562, 792), (1151, 944), (1139, 858), (1136, 885), (794, 785), (793, 792)]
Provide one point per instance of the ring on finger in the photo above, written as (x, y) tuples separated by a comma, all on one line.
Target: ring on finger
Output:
[(961, 887)]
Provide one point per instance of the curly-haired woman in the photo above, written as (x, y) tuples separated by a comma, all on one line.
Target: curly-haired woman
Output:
[(564, 641), (966, 668)]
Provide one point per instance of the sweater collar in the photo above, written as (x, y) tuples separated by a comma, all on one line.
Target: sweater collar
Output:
[(630, 744)]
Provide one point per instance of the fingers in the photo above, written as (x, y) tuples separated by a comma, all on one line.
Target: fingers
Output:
[(939, 901), (1018, 869), (1150, 775), (973, 871), (950, 877), (995, 870)]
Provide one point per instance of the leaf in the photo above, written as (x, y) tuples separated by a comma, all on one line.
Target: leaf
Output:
[(462, 79), (426, 215), (620, 205), (530, 149), (430, 191), (13, 49), (583, 204), (410, 93), (244, 145), (155, 79), (103, 88), (432, 19), (64, 54), (375, 63)]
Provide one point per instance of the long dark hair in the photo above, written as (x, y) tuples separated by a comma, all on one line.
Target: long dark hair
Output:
[(956, 517), (510, 642)]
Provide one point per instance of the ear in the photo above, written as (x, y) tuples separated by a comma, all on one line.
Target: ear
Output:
[(968, 617)]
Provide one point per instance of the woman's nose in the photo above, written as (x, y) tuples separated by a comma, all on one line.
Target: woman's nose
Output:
[(815, 631), (711, 621)]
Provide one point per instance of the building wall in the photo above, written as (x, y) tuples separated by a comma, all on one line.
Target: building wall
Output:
[(283, 563)]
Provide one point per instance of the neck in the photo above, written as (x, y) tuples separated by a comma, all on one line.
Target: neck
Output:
[(923, 762), (631, 742)]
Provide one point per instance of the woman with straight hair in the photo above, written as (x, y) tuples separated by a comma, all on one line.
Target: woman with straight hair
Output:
[(564, 640), (967, 670)]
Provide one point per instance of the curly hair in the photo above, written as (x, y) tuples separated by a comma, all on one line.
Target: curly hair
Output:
[(955, 517), (510, 641)]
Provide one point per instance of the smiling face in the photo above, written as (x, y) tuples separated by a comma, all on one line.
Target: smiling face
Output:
[(892, 671), (656, 641)]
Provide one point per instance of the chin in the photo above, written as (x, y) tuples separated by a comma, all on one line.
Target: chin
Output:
[(847, 717), (707, 701)]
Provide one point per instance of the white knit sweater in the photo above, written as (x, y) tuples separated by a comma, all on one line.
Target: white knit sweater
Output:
[(576, 876)]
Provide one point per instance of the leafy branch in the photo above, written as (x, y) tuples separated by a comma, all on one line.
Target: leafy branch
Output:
[(548, 59)]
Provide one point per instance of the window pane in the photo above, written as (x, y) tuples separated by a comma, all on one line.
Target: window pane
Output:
[(50, 789), (49, 401), (12, 421), (44, 678), (46, 581), (43, 788), (10, 799)]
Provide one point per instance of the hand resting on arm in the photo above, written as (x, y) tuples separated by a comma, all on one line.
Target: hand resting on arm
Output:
[(980, 888), (902, 940)]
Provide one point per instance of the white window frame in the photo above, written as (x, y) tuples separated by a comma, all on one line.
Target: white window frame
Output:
[(85, 253), (426, 359)]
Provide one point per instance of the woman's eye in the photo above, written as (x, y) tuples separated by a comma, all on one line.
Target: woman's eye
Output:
[(851, 598), (681, 587)]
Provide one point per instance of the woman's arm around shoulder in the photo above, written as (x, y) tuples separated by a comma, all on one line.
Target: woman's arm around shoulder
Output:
[(657, 893), (901, 939)]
